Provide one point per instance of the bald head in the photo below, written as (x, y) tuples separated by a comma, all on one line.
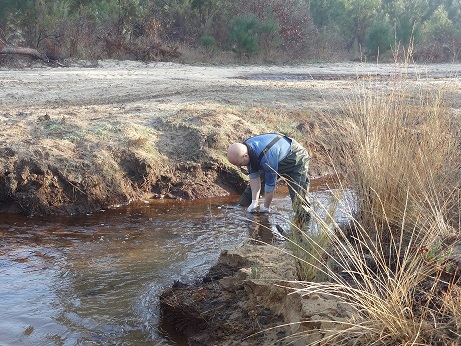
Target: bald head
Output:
[(237, 154)]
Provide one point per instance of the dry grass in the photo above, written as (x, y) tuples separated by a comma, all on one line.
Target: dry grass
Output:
[(402, 154), (393, 264), (402, 290)]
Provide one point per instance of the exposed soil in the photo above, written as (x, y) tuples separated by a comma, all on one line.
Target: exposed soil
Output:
[(94, 134), (248, 299), (252, 296)]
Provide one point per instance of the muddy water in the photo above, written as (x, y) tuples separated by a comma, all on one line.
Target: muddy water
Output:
[(95, 279)]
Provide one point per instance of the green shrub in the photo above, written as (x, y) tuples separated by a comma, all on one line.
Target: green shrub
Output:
[(379, 38), (243, 33), (208, 42)]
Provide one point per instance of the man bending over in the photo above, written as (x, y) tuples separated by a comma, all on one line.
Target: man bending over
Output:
[(274, 155)]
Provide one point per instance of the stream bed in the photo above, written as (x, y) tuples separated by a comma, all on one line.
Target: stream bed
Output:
[(95, 279)]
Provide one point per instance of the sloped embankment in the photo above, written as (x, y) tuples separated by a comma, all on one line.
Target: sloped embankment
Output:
[(247, 299), (66, 165)]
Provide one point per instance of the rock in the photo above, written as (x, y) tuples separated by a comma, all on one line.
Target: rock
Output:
[(248, 298)]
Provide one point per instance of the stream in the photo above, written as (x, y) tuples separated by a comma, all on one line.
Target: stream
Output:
[(95, 279)]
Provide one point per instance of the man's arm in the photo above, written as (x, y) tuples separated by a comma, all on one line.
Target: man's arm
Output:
[(271, 179), (255, 184)]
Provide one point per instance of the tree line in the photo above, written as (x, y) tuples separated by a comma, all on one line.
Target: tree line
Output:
[(289, 30)]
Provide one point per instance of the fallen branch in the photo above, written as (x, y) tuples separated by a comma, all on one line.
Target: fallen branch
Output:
[(23, 51)]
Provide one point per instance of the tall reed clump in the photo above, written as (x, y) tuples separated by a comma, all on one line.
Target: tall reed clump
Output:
[(403, 155), (393, 265), (401, 291)]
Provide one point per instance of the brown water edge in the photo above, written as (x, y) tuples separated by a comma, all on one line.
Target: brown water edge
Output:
[(178, 322), (97, 276), (57, 226)]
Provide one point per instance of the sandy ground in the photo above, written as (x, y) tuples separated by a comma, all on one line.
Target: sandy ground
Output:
[(169, 86), (93, 134)]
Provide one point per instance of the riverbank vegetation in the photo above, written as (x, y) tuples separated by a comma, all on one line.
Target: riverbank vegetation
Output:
[(396, 262), (228, 31)]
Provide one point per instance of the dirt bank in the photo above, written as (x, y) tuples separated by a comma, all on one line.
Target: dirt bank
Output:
[(94, 134), (247, 299)]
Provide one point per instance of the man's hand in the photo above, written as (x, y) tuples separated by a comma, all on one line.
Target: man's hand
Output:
[(253, 208), (263, 209)]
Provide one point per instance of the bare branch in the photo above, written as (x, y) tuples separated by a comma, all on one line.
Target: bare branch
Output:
[(23, 51)]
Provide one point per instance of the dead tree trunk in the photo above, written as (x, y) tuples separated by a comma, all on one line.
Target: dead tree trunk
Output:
[(23, 51)]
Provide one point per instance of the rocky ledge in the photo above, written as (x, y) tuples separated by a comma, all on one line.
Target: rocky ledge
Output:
[(248, 298)]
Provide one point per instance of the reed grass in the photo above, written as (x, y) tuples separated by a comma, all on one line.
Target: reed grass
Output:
[(402, 290), (403, 155), (393, 263)]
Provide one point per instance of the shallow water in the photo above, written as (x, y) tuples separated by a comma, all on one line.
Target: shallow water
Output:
[(95, 279)]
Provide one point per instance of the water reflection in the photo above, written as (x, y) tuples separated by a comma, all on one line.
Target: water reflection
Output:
[(96, 279)]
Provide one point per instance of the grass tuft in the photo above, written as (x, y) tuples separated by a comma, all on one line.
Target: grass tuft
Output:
[(393, 264)]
